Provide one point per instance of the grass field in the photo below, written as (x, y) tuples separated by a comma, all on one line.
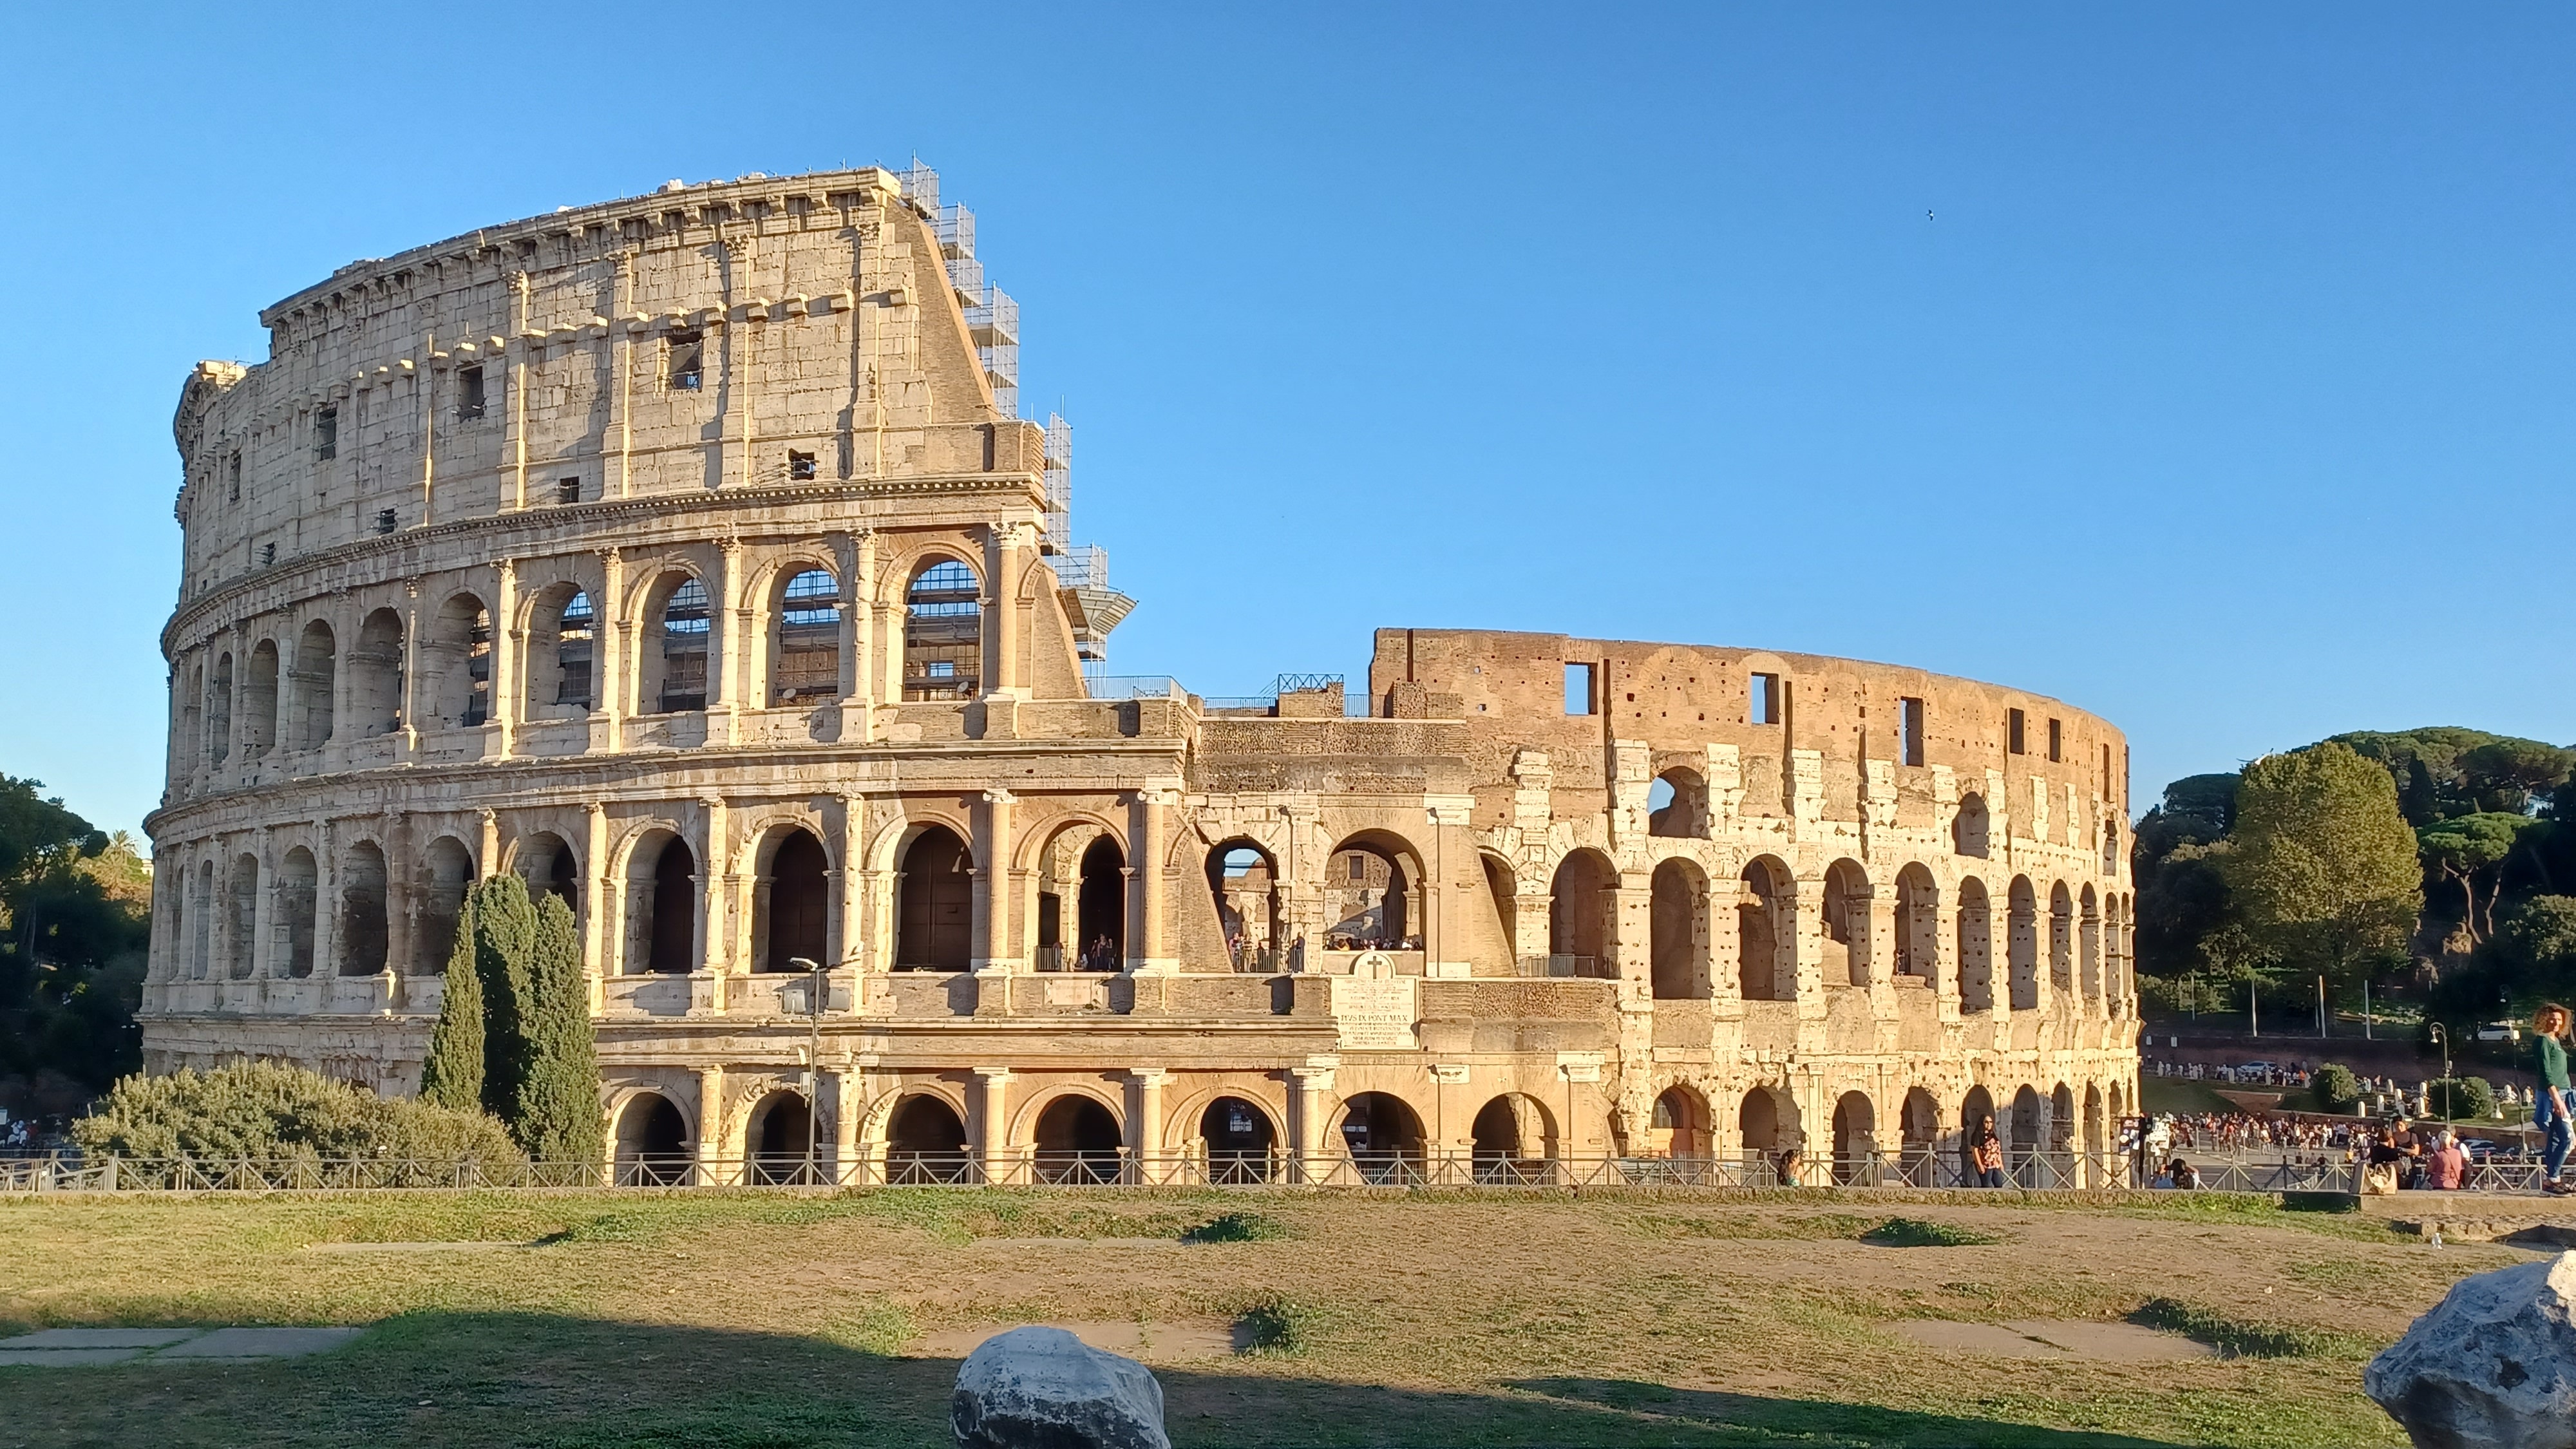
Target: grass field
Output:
[(773, 1320)]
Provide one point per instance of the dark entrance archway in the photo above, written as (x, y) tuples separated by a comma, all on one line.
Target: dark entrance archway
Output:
[(675, 909), (652, 1142), (783, 1148), (1077, 1141), (1383, 1137), (1100, 907), (798, 903), (925, 1142), (1239, 1140), (938, 899), (1513, 1139)]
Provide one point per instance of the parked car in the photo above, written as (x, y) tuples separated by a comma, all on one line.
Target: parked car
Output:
[(2479, 1149), (2505, 1031)]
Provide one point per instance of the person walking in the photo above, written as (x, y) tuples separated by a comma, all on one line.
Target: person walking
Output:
[(2551, 1112)]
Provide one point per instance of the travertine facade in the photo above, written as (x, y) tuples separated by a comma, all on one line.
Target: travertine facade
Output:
[(677, 554)]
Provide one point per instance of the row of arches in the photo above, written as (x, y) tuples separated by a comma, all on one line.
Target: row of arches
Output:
[(2050, 1138), (1677, 806), (293, 696)]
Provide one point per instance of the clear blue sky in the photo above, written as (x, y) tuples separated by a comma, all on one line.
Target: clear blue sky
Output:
[(2206, 366)]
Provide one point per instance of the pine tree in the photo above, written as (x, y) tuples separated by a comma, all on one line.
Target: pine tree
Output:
[(452, 1074), (505, 935), (557, 1117)]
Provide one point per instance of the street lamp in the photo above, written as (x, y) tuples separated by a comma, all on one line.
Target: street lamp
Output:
[(2444, 1037), (817, 991)]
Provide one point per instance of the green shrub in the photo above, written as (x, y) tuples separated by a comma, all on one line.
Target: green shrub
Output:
[(1919, 1233), (2336, 1088), (2241, 1338), (1288, 1327), (556, 1112), (1238, 1228), (452, 1074), (264, 1110), (2458, 1097)]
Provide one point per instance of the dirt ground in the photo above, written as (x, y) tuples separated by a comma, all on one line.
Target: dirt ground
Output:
[(780, 1320)]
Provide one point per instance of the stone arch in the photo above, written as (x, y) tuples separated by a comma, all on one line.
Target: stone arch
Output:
[(1766, 1127), (2089, 944), (675, 662), (1678, 931), (791, 900), (925, 1138), (1679, 1124), (1976, 958), (934, 902), (2062, 1124), (1766, 932), (1243, 880), (1970, 827), (257, 717), (446, 873), (298, 882), (1383, 1135), (1846, 917), (1372, 882), (201, 910), (2027, 1133), (1677, 804), (1239, 1139), (362, 883), (1919, 1126), (1077, 1137), (219, 704), (2021, 940), (804, 635), (654, 1144), (2061, 938), (376, 676), (191, 753), (1976, 1113), (1855, 1140), (1581, 906), (780, 1142), (1918, 925), (662, 893), (456, 665), (241, 916), (943, 629), (562, 653), (1510, 1130), (546, 862), (313, 687)]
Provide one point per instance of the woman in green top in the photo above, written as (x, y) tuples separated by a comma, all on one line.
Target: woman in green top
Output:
[(2550, 1113)]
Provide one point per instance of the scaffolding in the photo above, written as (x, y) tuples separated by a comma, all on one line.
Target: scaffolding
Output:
[(1059, 481)]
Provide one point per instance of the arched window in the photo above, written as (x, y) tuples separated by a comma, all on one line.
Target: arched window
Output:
[(1918, 925), (794, 904), (362, 910), (2022, 944), (670, 914), (1766, 934), (296, 879), (562, 649), (1968, 828), (1677, 804), (685, 621), (931, 922), (375, 675), (1847, 896), (1245, 885), (259, 701), (2088, 936), (807, 666), (1679, 926), (241, 917), (2061, 938), (316, 668), (219, 731), (1976, 948), (446, 875), (1579, 904), (2110, 848), (943, 634), (1368, 896)]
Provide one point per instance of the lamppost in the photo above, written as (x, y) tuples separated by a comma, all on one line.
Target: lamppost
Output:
[(818, 983), (2448, 1107)]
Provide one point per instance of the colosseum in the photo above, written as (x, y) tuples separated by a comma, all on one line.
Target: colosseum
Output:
[(686, 556)]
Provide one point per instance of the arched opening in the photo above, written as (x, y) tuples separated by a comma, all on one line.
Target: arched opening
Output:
[(1077, 1141), (1580, 902), (1677, 804), (1766, 1126), (457, 658), (2061, 938), (1383, 1137), (315, 673), (1968, 828), (1502, 888), (2022, 945), (1100, 908), (668, 922), (1918, 926), (298, 880), (1679, 1124), (943, 633), (1239, 1140), (925, 1142), (259, 701), (1919, 1129), (2089, 943), (1976, 1118), (1244, 881), (1368, 895), (2110, 848), (2062, 1129), (375, 675), (2028, 1129), (201, 910), (546, 864), (1513, 1138), (1976, 948), (192, 717), (1856, 1140), (794, 904), (219, 731), (241, 917), (782, 1140), (1678, 927), (1765, 934), (937, 899), (446, 873), (1847, 896), (676, 665), (805, 667), (2097, 1141), (562, 650), (362, 910), (652, 1143)]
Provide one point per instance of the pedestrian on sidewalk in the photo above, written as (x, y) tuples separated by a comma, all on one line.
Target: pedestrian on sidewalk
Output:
[(2550, 1112)]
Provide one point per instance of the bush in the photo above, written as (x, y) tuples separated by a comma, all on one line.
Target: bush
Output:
[(2336, 1088), (2463, 1097), (1919, 1233), (264, 1110), (2244, 1338), (1238, 1228)]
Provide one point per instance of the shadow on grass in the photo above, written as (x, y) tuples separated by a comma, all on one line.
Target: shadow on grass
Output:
[(523, 1380)]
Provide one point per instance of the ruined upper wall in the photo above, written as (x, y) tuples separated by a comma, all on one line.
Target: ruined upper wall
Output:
[(523, 365)]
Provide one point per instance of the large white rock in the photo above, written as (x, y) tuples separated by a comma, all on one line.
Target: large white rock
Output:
[(2493, 1366), (1043, 1388)]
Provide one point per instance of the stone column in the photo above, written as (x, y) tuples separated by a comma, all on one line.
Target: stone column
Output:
[(991, 950), (609, 690), (487, 852), (1145, 1123), (711, 1124), (1453, 1133), (851, 939), (726, 672), (992, 1122), (514, 438), (326, 902), (402, 902), (617, 473), (1146, 953), (598, 912), (1314, 1085), (711, 922), (1003, 546), (509, 691), (411, 700)]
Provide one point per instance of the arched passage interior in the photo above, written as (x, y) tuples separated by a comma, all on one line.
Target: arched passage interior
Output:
[(932, 924), (1244, 881), (924, 1129), (447, 872), (782, 1138), (794, 904), (1381, 1133), (1077, 1141), (1678, 926), (1239, 1140), (1368, 895), (1579, 908), (652, 1140), (1855, 1138), (1765, 947), (1680, 1124)]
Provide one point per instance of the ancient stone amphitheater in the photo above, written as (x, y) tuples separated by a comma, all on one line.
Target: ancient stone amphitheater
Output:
[(685, 556)]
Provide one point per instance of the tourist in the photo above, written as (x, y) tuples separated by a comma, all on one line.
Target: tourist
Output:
[(2448, 1166), (1786, 1164), (2184, 1174), (2550, 1112), (1986, 1154), (2166, 1177)]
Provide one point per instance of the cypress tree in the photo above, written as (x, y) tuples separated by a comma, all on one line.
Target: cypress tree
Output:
[(452, 1074), (505, 933), (557, 1117)]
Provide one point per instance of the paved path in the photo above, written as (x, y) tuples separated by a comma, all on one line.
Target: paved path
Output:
[(69, 1347)]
